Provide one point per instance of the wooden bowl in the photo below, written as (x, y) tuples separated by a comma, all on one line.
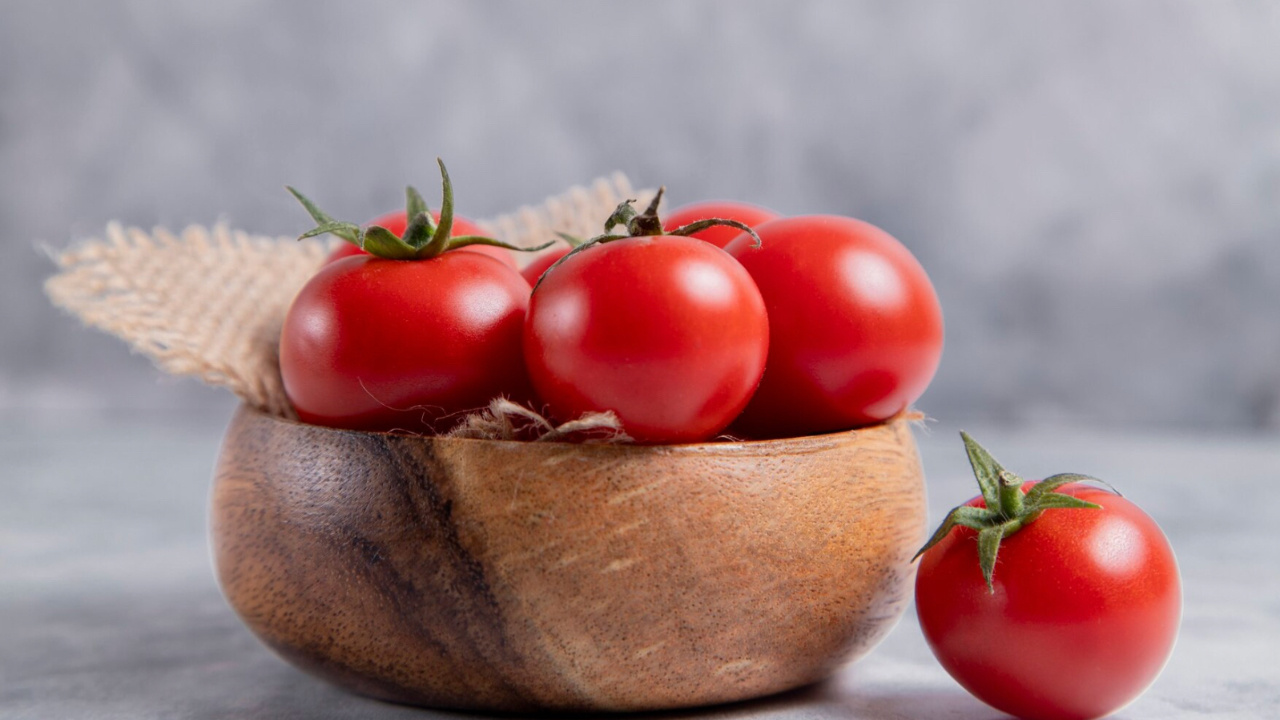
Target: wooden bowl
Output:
[(478, 574)]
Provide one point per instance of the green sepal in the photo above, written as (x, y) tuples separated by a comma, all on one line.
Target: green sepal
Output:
[(985, 468), (593, 241), (700, 225), (647, 222), (445, 225), (965, 515), (423, 237), (465, 240), (419, 233), (638, 224), (383, 243), (346, 231), (1007, 509), (320, 216), (621, 216), (572, 241), (1053, 482), (988, 548), (1058, 500), (414, 205)]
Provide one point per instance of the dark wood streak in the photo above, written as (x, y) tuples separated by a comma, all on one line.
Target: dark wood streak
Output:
[(462, 616), (474, 574), (421, 482)]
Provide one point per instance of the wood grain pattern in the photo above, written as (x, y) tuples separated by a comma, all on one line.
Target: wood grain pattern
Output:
[(476, 574)]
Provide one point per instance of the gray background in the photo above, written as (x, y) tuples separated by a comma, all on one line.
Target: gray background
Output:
[(1093, 186)]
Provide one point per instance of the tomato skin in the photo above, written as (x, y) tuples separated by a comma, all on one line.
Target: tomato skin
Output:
[(541, 263), (376, 344), (668, 332), (855, 326), (397, 222), (345, 250), (1084, 616), (718, 235)]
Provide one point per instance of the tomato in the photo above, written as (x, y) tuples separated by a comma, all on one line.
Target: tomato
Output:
[(409, 335), (541, 264), (718, 235), (377, 344), (666, 331), (397, 221), (1080, 617), (543, 261), (855, 326)]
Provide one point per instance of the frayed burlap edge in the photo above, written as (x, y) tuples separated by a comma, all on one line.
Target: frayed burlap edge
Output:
[(507, 420), (209, 302)]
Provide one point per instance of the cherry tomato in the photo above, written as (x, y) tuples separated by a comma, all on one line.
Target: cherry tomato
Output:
[(718, 235), (855, 327), (1080, 617), (668, 332), (377, 344), (541, 262), (397, 221)]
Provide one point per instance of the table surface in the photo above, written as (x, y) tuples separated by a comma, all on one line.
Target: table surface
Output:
[(109, 608)]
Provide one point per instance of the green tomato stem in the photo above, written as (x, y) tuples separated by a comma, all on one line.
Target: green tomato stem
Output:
[(1010, 493)]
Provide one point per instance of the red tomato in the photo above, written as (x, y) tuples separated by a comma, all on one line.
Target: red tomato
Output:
[(345, 250), (718, 235), (397, 221), (855, 327), (668, 332), (1083, 616), (541, 263), (377, 344)]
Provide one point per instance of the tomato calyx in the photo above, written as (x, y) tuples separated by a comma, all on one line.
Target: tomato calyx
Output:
[(641, 224), (648, 222), (423, 238), (1006, 508)]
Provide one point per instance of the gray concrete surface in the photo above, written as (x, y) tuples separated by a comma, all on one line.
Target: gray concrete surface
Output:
[(1092, 185), (108, 607)]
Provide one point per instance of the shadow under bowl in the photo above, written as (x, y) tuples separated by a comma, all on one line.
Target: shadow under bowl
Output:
[(524, 576)]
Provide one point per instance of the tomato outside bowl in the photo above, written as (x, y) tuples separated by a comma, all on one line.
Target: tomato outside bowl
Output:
[(527, 576)]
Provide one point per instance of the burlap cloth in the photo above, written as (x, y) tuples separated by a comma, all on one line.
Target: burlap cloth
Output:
[(210, 302)]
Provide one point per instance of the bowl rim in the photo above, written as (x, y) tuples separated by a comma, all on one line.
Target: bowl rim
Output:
[(910, 416)]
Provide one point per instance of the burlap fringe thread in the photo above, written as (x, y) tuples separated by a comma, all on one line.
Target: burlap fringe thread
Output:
[(506, 420), (209, 303)]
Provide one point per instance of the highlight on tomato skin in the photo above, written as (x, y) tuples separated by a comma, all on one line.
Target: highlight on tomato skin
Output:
[(856, 329), (718, 235), (396, 222)]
